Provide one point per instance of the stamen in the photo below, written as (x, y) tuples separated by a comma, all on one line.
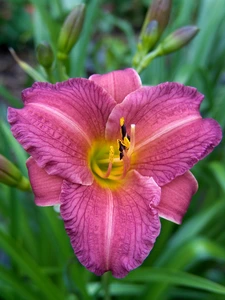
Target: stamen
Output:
[(110, 162), (123, 128), (121, 155), (126, 165), (122, 121), (106, 160), (111, 158), (126, 146), (126, 142), (121, 147), (132, 140), (111, 154)]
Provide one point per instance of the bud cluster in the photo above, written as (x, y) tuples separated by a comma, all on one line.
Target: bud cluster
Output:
[(155, 23)]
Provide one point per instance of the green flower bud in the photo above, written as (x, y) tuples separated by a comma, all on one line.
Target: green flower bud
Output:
[(45, 55), (160, 12), (177, 39), (150, 36), (10, 175), (70, 31), (147, 41)]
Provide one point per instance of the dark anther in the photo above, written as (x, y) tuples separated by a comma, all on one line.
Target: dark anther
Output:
[(121, 155), (121, 149), (123, 131)]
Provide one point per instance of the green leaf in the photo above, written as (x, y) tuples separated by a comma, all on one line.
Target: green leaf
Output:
[(190, 229), (27, 68), (218, 171), (30, 268), (204, 44), (79, 55), (18, 286), (45, 26), (174, 277), (124, 289), (117, 289)]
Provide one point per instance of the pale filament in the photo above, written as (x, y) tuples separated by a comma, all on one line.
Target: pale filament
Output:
[(111, 159), (126, 165)]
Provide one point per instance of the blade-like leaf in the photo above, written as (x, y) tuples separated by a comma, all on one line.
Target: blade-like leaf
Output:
[(174, 277), (30, 268), (18, 286)]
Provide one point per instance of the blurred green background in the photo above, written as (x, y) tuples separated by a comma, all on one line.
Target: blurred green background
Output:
[(188, 261)]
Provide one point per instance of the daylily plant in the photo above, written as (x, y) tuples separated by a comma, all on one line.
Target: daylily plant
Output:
[(116, 156)]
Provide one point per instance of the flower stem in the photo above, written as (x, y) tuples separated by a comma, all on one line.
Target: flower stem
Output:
[(61, 71), (50, 75), (147, 60), (105, 285)]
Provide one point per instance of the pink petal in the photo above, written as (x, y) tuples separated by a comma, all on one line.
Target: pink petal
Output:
[(153, 109), (176, 197), (59, 123), (177, 151), (53, 142), (118, 83), (46, 188), (170, 133), (80, 100), (112, 230)]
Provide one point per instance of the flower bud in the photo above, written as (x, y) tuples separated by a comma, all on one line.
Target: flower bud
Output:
[(70, 31), (160, 12), (147, 41), (10, 175), (150, 36), (177, 39), (45, 55)]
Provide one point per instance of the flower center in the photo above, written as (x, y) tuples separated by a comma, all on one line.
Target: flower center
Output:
[(110, 162)]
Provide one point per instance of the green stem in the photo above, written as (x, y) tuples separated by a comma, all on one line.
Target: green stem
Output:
[(61, 71), (50, 76), (106, 286), (147, 60)]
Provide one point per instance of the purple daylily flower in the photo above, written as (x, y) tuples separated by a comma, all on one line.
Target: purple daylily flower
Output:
[(116, 156)]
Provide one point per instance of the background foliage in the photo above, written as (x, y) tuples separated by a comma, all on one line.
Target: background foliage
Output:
[(188, 261)]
